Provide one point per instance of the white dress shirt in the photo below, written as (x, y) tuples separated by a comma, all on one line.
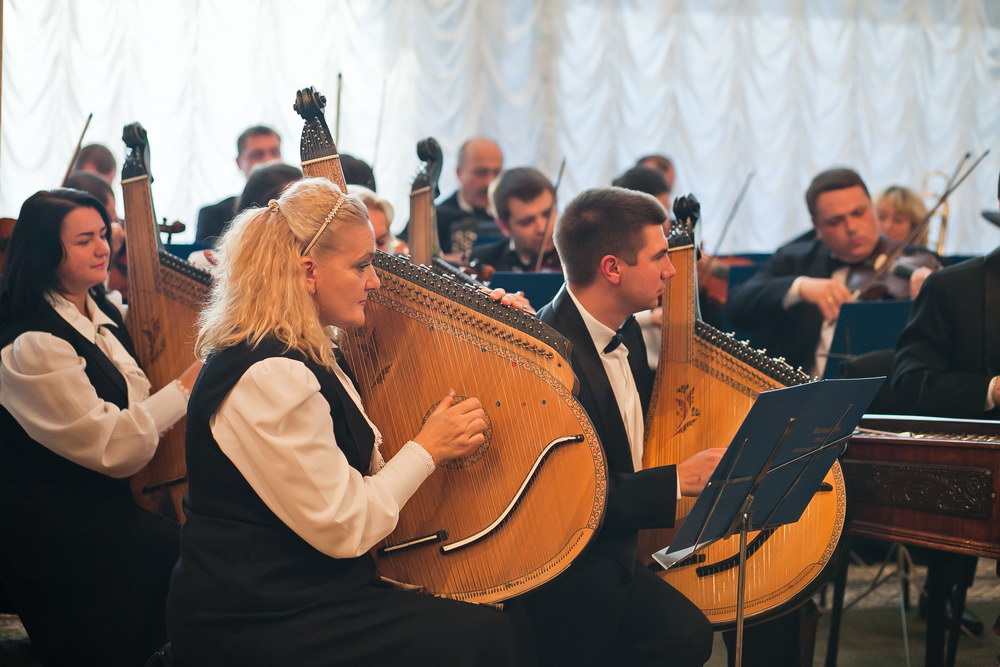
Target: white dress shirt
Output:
[(827, 329), (620, 377), (275, 427), (43, 384)]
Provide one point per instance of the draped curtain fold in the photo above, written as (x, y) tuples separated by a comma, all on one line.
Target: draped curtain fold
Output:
[(894, 88)]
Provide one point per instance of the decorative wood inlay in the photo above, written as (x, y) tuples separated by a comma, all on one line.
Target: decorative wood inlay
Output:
[(959, 491)]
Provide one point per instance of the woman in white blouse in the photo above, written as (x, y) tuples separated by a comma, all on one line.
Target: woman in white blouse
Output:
[(288, 491), (85, 569)]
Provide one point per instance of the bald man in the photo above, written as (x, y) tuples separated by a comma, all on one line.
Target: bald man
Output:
[(480, 161)]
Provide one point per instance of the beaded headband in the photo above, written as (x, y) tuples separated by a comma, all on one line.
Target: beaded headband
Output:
[(326, 223)]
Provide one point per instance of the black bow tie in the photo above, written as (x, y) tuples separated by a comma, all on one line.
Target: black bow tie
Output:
[(617, 339)]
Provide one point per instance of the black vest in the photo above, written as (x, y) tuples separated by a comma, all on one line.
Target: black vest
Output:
[(39, 480), (236, 554)]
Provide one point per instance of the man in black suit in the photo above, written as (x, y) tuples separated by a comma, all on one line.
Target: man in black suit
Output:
[(523, 201), (795, 298), (948, 356), (464, 214), (606, 609), (948, 365), (256, 145)]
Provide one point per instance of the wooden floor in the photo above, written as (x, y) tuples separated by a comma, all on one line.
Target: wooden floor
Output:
[(871, 634)]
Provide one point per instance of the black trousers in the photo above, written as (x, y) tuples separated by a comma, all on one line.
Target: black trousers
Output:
[(376, 625), (596, 614)]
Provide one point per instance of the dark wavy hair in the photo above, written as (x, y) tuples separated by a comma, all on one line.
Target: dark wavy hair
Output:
[(36, 250), (266, 182)]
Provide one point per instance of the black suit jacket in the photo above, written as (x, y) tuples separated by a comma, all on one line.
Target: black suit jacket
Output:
[(950, 349), (756, 304), (586, 602), (502, 257), (448, 212), (212, 220), (644, 499)]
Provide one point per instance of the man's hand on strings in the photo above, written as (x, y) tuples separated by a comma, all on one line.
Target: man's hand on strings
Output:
[(694, 473), (515, 300)]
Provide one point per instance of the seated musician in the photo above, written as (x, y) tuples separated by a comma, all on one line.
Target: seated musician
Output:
[(85, 568), (288, 489), (256, 145), (97, 159), (523, 202), (947, 364), (899, 210), (380, 214), (797, 295), (662, 164), (948, 356), (648, 180), (266, 181), (606, 609)]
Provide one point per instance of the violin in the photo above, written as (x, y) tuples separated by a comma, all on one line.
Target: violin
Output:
[(872, 280), (713, 276), (713, 269)]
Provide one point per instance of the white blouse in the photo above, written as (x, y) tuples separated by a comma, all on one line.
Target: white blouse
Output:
[(43, 384), (276, 428)]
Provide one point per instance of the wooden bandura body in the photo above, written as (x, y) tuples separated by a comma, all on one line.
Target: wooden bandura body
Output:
[(165, 296), (516, 512), (927, 482), (533, 496), (704, 387)]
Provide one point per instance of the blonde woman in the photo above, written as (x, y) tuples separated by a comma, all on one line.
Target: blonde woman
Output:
[(899, 210), (288, 490)]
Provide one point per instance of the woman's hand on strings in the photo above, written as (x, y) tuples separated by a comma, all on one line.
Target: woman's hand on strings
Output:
[(454, 429)]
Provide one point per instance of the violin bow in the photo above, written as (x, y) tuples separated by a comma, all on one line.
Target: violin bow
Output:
[(549, 222), (378, 126), (890, 257), (79, 145), (733, 210), (336, 126)]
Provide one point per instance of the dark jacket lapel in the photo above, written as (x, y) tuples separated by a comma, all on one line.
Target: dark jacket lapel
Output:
[(596, 395), (991, 312)]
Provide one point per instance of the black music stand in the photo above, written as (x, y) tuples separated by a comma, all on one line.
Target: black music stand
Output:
[(776, 462)]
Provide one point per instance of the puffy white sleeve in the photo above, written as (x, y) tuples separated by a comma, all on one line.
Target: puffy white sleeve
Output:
[(43, 384), (276, 428)]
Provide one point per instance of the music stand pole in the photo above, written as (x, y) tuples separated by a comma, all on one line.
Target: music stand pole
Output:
[(741, 590)]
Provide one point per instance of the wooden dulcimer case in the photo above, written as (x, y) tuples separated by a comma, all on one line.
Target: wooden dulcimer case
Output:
[(516, 512), (927, 482), (165, 296), (705, 385)]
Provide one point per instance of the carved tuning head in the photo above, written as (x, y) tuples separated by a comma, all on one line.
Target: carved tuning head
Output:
[(309, 103), (429, 151), (137, 160)]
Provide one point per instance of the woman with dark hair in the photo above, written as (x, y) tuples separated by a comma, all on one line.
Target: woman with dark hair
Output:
[(84, 567)]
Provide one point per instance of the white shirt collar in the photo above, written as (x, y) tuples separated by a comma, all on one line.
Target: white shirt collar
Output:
[(69, 312), (600, 333), (464, 205)]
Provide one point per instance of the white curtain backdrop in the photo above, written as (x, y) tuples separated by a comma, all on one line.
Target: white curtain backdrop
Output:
[(893, 88)]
